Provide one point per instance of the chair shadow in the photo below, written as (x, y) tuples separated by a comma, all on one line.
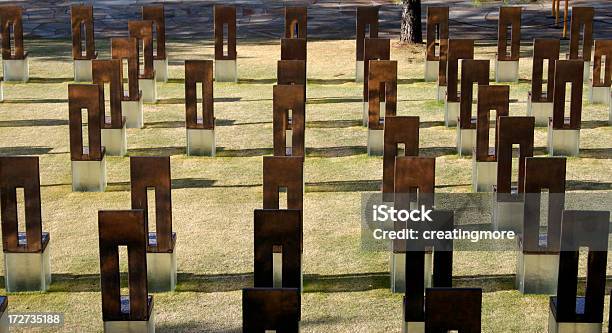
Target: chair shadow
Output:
[(177, 184), (35, 101), (50, 79), (336, 151), (582, 185), (596, 153), (28, 150), (165, 124), (250, 152), (157, 151), (232, 122), (344, 186), (593, 124), (192, 326), (313, 283), (33, 123), (257, 81), (410, 81), (335, 81), (221, 151), (339, 123), (333, 100), (183, 183), (437, 151), (181, 123), (179, 101), (429, 124)]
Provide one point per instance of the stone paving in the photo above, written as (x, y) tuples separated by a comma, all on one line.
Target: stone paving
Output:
[(327, 19)]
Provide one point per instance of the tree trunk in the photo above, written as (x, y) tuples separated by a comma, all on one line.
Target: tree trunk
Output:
[(411, 22)]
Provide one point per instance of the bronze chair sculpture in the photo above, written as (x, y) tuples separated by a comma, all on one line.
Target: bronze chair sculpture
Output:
[(143, 32), (564, 132), (296, 22), (226, 68), (14, 59), (437, 45), (278, 248), (155, 13), (374, 49), (421, 273), (201, 138), (126, 50), (508, 202), (414, 184), (83, 41), (472, 72), (153, 173), (382, 81), (134, 311), (367, 27), (581, 37), (458, 49), (540, 103), (602, 73), (283, 172), (26, 254), (114, 136), (507, 62), (484, 161), (88, 160), (288, 127), (402, 130), (581, 229), (538, 258)]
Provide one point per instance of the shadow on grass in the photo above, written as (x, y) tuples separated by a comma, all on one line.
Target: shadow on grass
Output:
[(596, 153), (33, 123), (165, 124), (177, 184), (181, 123), (257, 81), (313, 283), (193, 326), (345, 186), (175, 80), (331, 81), (339, 123), (175, 100), (157, 151), (183, 183), (35, 101), (429, 124), (581, 185), (593, 124), (452, 185), (251, 152), (50, 79), (336, 151), (28, 150), (333, 100), (437, 151), (410, 81), (231, 122)]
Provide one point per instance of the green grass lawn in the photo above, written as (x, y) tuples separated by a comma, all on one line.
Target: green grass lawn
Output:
[(346, 290)]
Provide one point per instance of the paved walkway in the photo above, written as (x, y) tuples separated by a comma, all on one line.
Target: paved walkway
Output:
[(263, 19)]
